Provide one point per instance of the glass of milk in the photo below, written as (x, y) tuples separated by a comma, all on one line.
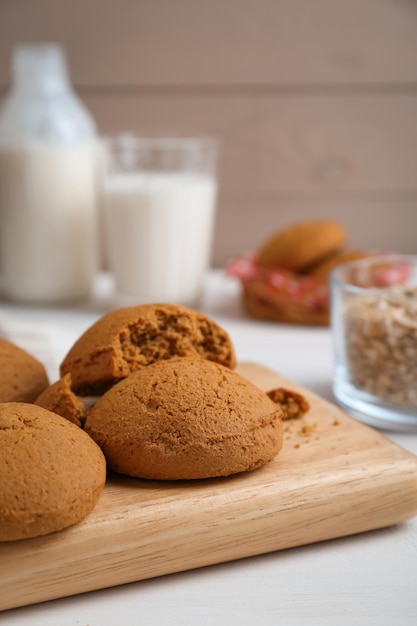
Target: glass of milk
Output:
[(159, 201)]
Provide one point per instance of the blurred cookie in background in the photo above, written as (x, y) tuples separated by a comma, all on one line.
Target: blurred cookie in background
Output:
[(299, 246), (286, 278)]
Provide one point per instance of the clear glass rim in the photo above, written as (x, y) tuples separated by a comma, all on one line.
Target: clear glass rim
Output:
[(171, 141), (391, 258)]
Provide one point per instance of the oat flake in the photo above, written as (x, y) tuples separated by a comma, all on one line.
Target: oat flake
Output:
[(381, 344)]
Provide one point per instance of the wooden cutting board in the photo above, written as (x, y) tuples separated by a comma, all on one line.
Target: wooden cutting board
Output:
[(334, 477)]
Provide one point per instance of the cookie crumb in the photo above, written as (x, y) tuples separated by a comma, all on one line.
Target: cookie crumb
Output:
[(293, 404), (307, 430), (60, 399)]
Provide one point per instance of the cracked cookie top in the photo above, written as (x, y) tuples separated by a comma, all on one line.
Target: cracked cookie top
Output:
[(185, 418)]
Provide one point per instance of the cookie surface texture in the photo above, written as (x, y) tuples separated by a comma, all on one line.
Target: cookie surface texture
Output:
[(22, 377), (298, 246), (128, 339), (51, 472), (185, 419)]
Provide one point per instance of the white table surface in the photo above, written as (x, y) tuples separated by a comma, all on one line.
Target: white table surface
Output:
[(367, 579)]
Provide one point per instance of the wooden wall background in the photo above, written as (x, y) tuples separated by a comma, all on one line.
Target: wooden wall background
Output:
[(314, 101)]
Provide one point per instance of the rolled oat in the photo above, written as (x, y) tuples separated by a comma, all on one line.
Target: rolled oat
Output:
[(381, 344)]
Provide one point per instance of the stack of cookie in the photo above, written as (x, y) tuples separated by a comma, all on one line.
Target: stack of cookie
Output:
[(286, 280), (147, 391), (169, 404)]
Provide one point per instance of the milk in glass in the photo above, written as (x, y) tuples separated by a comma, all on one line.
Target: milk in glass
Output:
[(159, 229), (159, 201)]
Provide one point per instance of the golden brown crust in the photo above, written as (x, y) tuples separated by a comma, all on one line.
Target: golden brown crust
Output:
[(185, 419), (22, 377), (60, 399), (294, 405), (322, 270), (301, 245), (128, 339), (51, 472)]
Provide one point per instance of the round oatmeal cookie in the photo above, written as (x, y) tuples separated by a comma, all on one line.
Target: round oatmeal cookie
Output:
[(51, 472), (185, 419), (301, 245), (22, 377), (128, 339)]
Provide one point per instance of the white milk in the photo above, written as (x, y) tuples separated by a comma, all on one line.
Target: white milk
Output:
[(159, 228), (48, 221)]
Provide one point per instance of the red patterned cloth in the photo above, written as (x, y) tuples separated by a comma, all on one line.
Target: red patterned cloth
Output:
[(281, 284)]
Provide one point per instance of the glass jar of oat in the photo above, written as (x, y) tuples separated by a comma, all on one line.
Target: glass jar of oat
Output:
[(374, 325)]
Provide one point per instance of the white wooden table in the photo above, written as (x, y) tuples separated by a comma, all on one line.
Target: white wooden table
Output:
[(367, 579)]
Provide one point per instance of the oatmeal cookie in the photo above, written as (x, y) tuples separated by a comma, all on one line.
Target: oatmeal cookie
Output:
[(322, 270), (128, 339), (302, 245), (185, 419), (22, 377), (51, 472)]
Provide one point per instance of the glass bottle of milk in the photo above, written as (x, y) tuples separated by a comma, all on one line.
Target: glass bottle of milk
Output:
[(48, 231)]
